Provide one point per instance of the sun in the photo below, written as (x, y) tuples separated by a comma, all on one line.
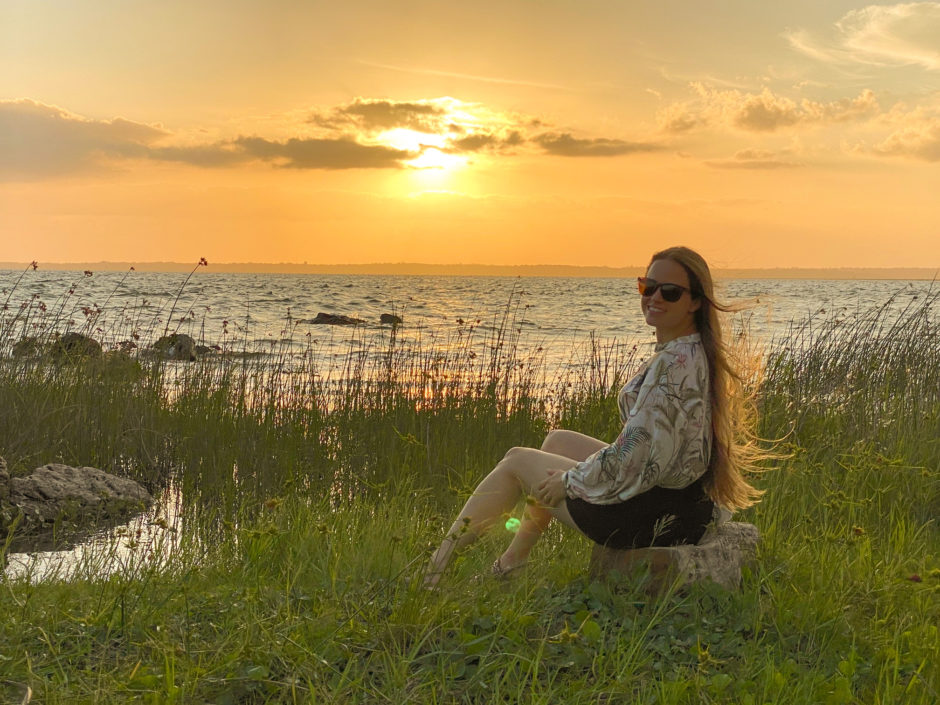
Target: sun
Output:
[(433, 158), (431, 149)]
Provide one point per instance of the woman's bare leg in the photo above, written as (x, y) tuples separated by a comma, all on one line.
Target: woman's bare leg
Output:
[(518, 474), (569, 444)]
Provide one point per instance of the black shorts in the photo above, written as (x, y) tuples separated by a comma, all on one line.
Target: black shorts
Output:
[(657, 517)]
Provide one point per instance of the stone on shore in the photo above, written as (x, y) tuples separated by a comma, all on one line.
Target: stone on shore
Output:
[(81, 496), (718, 557), (177, 346)]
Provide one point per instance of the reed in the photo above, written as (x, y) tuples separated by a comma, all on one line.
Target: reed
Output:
[(313, 494)]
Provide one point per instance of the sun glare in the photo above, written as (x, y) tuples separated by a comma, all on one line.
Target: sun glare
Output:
[(432, 158), (430, 147)]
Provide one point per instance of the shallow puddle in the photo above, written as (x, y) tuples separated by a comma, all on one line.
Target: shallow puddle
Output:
[(145, 542)]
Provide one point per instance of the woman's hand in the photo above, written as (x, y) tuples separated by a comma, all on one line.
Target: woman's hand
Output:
[(552, 490)]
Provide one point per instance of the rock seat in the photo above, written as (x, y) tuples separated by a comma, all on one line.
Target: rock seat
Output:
[(718, 557)]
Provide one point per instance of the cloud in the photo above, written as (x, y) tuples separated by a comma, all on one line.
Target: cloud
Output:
[(761, 112), (764, 112), (752, 159), (878, 35), (343, 153), (480, 141), (42, 141), (39, 140), (379, 115), (564, 145), (919, 139)]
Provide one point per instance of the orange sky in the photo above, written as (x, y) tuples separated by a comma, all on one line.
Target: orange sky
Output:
[(801, 134)]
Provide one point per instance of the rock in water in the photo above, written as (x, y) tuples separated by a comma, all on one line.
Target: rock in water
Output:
[(718, 557), (390, 318), (177, 346), (28, 346), (82, 496), (73, 346), (332, 319)]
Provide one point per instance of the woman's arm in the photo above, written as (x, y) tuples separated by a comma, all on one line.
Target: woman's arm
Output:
[(646, 449)]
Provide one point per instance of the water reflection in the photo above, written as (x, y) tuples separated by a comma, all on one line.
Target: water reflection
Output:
[(146, 542)]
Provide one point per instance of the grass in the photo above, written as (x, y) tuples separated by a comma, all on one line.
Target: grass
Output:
[(313, 497)]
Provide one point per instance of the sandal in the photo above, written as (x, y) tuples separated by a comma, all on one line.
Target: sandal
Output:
[(501, 573)]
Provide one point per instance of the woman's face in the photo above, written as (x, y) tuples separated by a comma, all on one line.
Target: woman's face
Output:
[(671, 319)]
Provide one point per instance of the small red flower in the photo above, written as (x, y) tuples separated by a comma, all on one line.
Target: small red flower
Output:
[(34, 264), (203, 262), (914, 578), (87, 272)]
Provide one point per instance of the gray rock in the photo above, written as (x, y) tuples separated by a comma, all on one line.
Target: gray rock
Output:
[(718, 557), (177, 346), (81, 496), (332, 319), (390, 318), (27, 346), (73, 346)]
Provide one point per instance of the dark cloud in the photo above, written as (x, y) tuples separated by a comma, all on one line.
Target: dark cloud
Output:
[(564, 145), (485, 140), (342, 153), (41, 141), (378, 115), (222, 154), (38, 140)]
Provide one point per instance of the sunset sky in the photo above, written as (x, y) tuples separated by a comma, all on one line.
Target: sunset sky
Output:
[(793, 134)]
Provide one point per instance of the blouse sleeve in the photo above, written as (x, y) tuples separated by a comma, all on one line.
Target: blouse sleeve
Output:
[(647, 446)]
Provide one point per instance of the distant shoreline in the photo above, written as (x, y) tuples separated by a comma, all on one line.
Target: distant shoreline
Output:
[(534, 270)]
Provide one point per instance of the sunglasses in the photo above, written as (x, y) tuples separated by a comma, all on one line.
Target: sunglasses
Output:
[(670, 292)]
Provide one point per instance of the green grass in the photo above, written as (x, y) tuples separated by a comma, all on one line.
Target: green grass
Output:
[(312, 502)]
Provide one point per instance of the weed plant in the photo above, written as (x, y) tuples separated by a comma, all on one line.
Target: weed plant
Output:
[(313, 495)]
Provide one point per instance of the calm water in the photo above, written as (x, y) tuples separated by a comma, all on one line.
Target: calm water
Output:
[(257, 312), (260, 313)]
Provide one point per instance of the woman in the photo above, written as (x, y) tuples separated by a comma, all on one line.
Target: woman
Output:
[(680, 456)]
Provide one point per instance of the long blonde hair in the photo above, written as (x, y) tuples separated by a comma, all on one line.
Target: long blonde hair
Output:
[(735, 449)]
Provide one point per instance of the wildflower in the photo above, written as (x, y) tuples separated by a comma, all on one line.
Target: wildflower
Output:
[(34, 264), (914, 578), (203, 262), (87, 272)]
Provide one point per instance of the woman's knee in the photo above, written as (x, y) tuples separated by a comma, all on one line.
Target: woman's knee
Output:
[(553, 440), (516, 453)]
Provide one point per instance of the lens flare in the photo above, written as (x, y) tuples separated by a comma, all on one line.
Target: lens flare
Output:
[(513, 524)]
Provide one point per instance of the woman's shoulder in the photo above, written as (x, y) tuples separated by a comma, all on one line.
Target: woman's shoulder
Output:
[(679, 352)]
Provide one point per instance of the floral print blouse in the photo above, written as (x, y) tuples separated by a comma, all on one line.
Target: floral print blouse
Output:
[(667, 434)]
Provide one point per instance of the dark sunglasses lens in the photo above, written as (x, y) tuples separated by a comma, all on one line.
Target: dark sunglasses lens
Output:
[(671, 292), (646, 286)]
